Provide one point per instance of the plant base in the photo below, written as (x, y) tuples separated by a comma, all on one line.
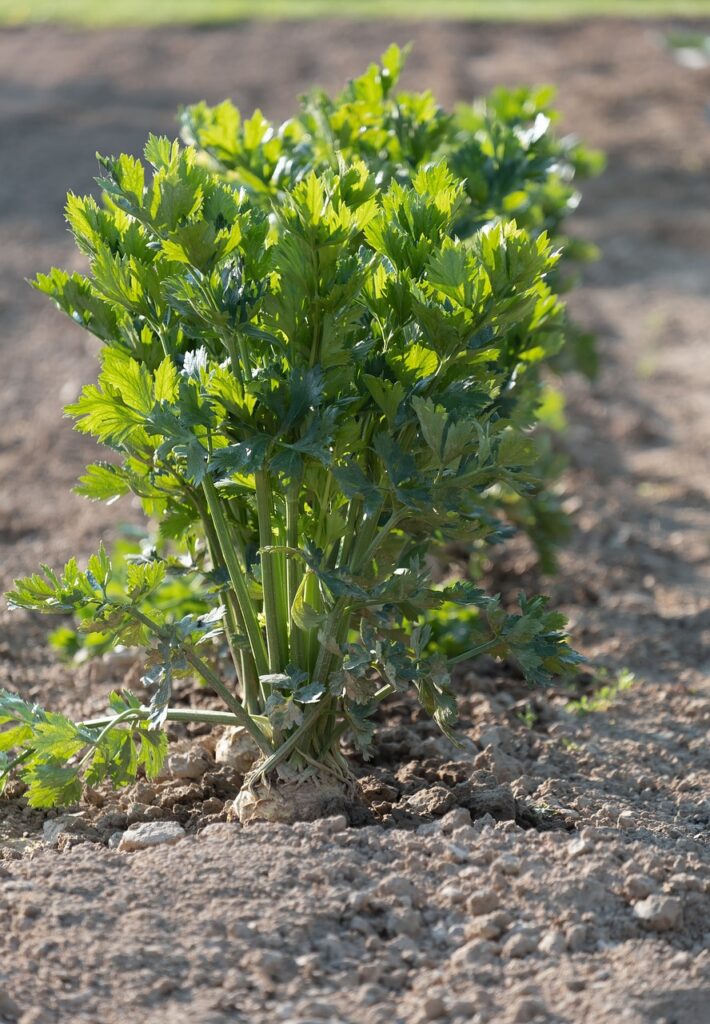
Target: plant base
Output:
[(303, 798)]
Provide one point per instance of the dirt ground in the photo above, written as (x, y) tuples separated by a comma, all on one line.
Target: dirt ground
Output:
[(434, 911)]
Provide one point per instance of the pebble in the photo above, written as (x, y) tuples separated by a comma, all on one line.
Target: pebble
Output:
[(483, 902), (114, 840), (152, 833), (54, 828), (9, 1008), (452, 893), (404, 922), (520, 945), (191, 764), (508, 864), (491, 926), (433, 800), (638, 887), (661, 913), (579, 847), (552, 943), (528, 1008), (459, 817), (505, 767)]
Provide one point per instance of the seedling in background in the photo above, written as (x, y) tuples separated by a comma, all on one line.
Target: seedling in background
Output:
[(305, 401), (604, 696)]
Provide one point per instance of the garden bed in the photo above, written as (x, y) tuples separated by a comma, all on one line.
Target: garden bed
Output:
[(597, 905)]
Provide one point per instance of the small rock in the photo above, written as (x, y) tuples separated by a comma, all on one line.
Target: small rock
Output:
[(190, 764), (65, 825), (504, 766), (519, 945), (9, 1008), (236, 748), (152, 833), (552, 943), (661, 913), (490, 926), (329, 826), (528, 1008), (459, 817), (434, 801), (452, 893), (579, 847), (143, 793), (627, 819), (638, 887), (575, 984), (497, 736), (508, 864), (114, 840), (404, 922), (485, 901)]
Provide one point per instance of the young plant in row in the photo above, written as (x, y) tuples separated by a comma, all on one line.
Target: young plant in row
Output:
[(305, 401), (511, 165)]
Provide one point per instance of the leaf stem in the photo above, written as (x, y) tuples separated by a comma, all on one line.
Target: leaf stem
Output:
[(213, 680), (274, 633), (237, 578)]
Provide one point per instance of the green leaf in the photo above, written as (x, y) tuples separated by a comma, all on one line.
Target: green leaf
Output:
[(52, 784)]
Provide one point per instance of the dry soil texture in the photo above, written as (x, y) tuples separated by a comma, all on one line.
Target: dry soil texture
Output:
[(434, 913)]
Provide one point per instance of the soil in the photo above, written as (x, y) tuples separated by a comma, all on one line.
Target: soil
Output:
[(554, 869)]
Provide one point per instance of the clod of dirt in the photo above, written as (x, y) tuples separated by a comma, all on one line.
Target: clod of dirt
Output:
[(661, 913), (55, 830), (151, 833), (505, 767), (190, 764), (433, 801), (306, 799)]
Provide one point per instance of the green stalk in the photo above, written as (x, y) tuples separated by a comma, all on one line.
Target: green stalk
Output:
[(237, 578), (173, 715), (294, 573), (243, 660), (274, 633), (473, 652)]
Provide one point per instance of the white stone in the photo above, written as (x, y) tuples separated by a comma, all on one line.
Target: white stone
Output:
[(191, 764), (661, 913), (151, 833)]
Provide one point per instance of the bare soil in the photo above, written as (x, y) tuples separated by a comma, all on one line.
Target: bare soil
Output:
[(556, 869)]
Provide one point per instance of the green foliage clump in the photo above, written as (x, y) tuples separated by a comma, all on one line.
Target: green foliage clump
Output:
[(306, 396)]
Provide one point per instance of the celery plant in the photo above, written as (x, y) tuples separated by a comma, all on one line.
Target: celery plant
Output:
[(305, 400)]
